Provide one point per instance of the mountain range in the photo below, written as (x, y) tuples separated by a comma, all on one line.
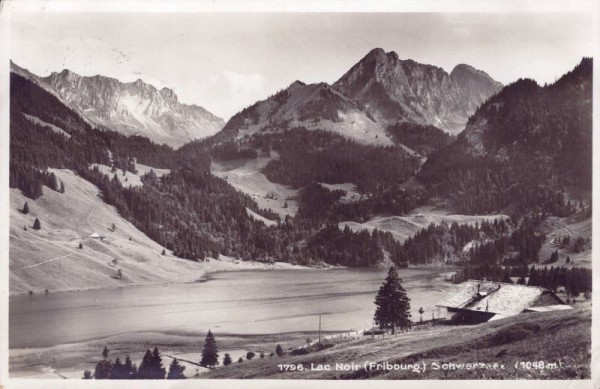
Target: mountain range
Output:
[(133, 108), (379, 91), (375, 143)]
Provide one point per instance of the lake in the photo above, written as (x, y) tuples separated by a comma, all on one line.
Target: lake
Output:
[(240, 302)]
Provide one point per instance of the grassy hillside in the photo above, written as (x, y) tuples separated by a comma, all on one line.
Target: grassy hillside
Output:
[(403, 227), (557, 337), (69, 219), (247, 177), (50, 258), (573, 227)]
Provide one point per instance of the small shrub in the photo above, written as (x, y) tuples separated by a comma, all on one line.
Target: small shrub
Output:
[(299, 351), (279, 350), (227, 360), (250, 355)]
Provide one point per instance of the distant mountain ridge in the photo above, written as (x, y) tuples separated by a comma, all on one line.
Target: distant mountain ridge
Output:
[(134, 108), (394, 90)]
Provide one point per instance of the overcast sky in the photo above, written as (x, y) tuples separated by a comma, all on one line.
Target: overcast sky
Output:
[(225, 62)]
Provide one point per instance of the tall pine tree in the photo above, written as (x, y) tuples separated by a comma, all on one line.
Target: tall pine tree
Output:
[(175, 370), (129, 368), (104, 367), (210, 356), (118, 370), (151, 367), (393, 306)]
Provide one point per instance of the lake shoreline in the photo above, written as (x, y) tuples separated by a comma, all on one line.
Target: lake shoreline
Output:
[(209, 267), (233, 265)]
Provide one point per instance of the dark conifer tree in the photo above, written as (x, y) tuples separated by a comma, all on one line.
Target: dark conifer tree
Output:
[(129, 368), (175, 370), (145, 370), (393, 305), (103, 370), (227, 359), (151, 367), (118, 370), (25, 208), (36, 224), (210, 356)]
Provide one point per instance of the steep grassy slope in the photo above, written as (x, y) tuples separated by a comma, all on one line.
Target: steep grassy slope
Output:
[(247, 177), (70, 218), (573, 227)]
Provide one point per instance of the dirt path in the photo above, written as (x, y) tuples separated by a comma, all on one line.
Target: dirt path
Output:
[(46, 261)]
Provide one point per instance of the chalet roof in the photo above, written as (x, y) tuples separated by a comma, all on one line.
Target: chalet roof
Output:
[(494, 297), (549, 308)]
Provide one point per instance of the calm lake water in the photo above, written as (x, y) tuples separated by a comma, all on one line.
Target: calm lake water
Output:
[(242, 302)]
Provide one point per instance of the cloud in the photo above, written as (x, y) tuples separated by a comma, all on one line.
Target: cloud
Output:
[(230, 92)]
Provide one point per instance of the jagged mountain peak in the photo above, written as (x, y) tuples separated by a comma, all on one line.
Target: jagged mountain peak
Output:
[(395, 90), (134, 108)]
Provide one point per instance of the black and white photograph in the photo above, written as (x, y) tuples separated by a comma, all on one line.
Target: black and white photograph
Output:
[(208, 192)]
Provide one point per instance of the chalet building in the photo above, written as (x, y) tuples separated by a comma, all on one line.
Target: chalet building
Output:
[(479, 301)]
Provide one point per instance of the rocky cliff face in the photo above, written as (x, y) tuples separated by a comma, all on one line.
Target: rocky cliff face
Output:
[(134, 108), (391, 90)]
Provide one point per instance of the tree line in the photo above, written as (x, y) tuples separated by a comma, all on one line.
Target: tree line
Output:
[(151, 367), (575, 280)]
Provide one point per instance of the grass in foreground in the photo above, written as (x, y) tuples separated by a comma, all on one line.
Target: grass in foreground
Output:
[(561, 338)]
